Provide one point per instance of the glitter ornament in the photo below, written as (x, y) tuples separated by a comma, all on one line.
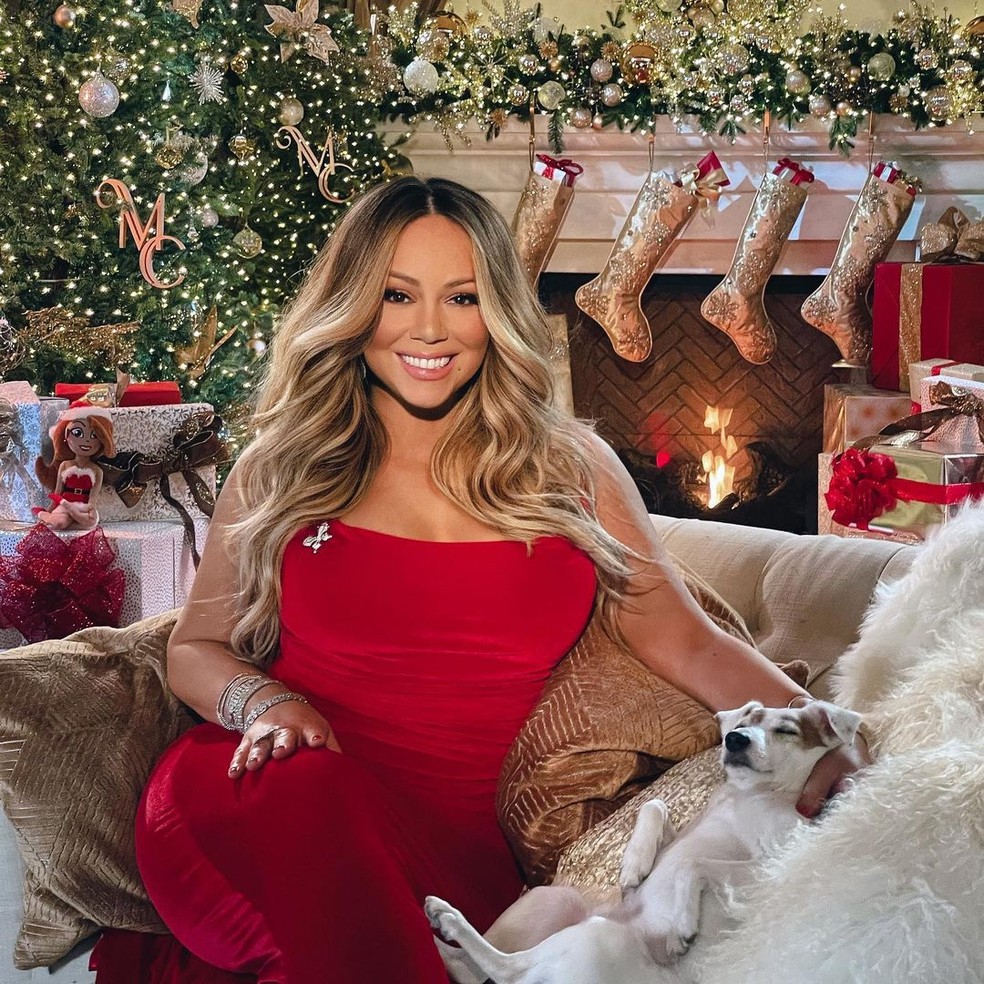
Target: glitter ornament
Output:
[(550, 95), (169, 155), (116, 66), (734, 59), (528, 64), (854, 73), (555, 64), (601, 70), (208, 217), (481, 34), (195, 170), (99, 97), (926, 58), (844, 108), (290, 111), (881, 67), (247, 242), (581, 117), (420, 77), (518, 95), (959, 45), (637, 65), (433, 45), (746, 85), (206, 80), (701, 17), (597, 121), (938, 103), (962, 70), (898, 103), (669, 6), (739, 105), (715, 96), (820, 106), (239, 62), (798, 82), (242, 147), (611, 94), (64, 16)]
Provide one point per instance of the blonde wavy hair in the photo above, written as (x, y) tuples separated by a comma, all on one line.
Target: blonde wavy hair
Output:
[(508, 457)]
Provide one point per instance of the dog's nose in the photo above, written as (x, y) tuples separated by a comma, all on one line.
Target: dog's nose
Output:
[(735, 741)]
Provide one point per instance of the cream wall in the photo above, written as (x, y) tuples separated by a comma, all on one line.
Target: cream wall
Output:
[(867, 14)]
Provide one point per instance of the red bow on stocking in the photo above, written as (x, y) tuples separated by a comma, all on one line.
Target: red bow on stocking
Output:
[(50, 587)]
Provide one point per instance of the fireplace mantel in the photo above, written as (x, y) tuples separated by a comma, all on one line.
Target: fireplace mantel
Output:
[(949, 161)]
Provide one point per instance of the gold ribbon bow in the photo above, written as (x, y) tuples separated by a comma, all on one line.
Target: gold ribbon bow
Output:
[(195, 444), (952, 239), (706, 186), (952, 402)]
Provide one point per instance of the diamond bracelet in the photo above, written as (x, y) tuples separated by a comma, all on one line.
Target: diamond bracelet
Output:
[(265, 705)]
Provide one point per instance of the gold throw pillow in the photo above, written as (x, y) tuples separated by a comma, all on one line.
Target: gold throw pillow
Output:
[(82, 721), (605, 727)]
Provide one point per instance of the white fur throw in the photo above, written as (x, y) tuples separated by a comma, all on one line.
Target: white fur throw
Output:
[(888, 888)]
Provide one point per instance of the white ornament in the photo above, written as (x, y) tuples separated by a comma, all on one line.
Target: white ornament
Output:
[(420, 77), (611, 94), (881, 67), (550, 95), (291, 111), (206, 80), (208, 217), (544, 28), (601, 70), (99, 97)]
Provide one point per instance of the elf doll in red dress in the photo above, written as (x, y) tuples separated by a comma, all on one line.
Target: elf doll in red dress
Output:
[(82, 433)]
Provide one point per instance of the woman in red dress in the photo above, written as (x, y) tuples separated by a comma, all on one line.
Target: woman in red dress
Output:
[(411, 543)]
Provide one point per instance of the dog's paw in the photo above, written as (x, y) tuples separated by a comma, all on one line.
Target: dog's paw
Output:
[(633, 871), (443, 917), (653, 828)]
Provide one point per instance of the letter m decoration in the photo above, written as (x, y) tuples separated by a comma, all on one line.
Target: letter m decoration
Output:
[(148, 237)]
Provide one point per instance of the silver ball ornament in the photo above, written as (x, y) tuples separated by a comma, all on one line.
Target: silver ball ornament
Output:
[(938, 103), (881, 67), (597, 121), (843, 108), (528, 64), (601, 70), (99, 97), (734, 59), (420, 77), (581, 117), (291, 111), (482, 34), (518, 95), (798, 82), (208, 217), (550, 95), (819, 105), (611, 94), (926, 58), (962, 71)]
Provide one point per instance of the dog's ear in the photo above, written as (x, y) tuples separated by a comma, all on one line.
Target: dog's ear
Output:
[(728, 720), (837, 725)]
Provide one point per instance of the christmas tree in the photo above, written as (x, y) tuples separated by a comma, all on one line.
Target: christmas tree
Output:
[(221, 113)]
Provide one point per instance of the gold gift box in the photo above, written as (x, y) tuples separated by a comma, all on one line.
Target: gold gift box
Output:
[(931, 464), (851, 412)]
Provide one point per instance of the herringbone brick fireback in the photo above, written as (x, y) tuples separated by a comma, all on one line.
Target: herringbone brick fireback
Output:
[(659, 404)]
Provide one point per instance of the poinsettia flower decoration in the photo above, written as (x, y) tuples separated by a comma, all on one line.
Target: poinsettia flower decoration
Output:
[(299, 28)]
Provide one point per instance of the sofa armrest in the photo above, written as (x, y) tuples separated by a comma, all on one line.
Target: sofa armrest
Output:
[(802, 597)]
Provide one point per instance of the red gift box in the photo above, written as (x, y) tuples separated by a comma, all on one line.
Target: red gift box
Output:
[(925, 311), (135, 395)]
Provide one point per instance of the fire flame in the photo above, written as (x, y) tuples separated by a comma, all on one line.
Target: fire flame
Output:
[(720, 475)]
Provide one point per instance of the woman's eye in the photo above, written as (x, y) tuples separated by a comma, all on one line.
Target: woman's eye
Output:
[(395, 296), (462, 300), (76, 432)]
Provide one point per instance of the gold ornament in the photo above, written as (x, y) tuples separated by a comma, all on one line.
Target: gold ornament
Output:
[(170, 153), (149, 238), (323, 167), (57, 328), (555, 64), (611, 50), (64, 16), (447, 22), (497, 119), (248, 242), (298, 28), (239, 62), (243, 147), (290, 111), (548, 49), (975, 28), (195, 358), (637, 64), (187, 9)]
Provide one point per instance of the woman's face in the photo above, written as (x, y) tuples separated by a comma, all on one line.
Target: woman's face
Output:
[(431, 339), (82, 438)]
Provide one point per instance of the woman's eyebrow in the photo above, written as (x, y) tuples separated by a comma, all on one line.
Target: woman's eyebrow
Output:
[(413, 280)]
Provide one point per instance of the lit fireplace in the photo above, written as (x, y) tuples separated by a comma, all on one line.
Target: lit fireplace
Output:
[(720, 475)]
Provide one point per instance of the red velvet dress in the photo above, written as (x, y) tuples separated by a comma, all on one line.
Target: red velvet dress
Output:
[(426, 658)]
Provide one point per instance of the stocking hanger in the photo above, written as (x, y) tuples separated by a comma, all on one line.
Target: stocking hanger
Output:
[(532, 140)]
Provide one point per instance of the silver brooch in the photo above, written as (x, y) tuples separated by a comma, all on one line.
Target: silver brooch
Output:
[(322, 536)]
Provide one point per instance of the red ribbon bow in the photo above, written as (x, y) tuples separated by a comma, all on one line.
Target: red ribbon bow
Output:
[(801, 174), (565, 164), (861, 487), (50, 587)]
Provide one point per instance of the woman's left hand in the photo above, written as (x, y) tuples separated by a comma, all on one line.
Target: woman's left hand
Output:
[(832, 775)]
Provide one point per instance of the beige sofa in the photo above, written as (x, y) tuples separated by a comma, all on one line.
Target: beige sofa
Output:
[(801, 597)]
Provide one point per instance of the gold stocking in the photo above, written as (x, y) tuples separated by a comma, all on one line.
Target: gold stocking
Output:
[(736, 305), (659, 212), (838, 307), (540, 213)]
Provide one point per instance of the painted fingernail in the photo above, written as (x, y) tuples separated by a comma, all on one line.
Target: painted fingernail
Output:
[(279, 748), (317, 737), (233, 770), (809, 812)]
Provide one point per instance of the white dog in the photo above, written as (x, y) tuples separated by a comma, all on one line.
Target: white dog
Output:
[(767, 755)]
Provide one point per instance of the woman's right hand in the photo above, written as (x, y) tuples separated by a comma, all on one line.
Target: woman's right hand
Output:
[(278, 734)]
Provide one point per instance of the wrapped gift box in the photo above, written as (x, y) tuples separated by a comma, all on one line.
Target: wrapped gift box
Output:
[(20, 445), (155, 559), (918, 371), (966, 399), (925, 311), (825, 521), (135, 394), (853, 412), (904, 489), (150, 430)]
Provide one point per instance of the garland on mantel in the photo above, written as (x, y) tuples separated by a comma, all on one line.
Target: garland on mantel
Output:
[(725, 65)]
